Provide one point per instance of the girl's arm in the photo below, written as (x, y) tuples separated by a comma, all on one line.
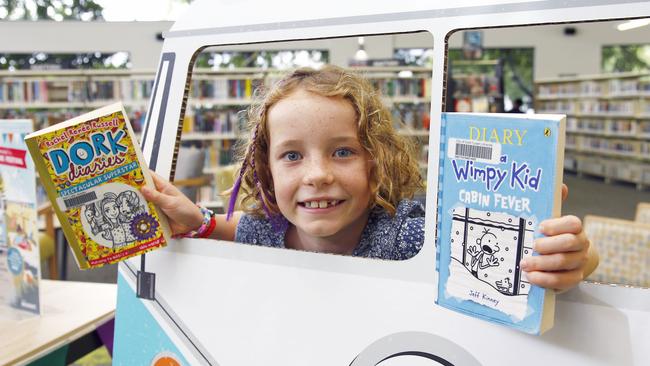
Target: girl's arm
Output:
[(183, 214), (566, 256)]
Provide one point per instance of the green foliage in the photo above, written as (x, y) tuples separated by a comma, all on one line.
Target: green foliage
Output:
[(40, 60), (281, 59), (625, 58), (51, 9)]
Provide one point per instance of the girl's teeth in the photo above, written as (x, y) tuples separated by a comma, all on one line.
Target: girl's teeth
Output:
[(320, 204)]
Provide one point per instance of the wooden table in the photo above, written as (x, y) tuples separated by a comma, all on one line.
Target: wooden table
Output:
[(70, 310)]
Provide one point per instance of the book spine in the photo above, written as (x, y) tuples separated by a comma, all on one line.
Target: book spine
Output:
[(441, 155)]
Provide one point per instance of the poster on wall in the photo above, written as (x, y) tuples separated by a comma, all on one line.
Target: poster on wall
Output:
[(20, 271)]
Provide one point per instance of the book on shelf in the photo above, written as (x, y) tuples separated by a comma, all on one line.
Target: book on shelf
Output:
[(220, 88), (20, 271), (92, 169), (417, 87), (501, 175)]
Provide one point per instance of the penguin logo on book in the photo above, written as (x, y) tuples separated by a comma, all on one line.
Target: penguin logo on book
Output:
[(547, 132)]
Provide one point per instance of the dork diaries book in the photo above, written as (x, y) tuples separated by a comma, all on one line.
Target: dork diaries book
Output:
[(92, 170)]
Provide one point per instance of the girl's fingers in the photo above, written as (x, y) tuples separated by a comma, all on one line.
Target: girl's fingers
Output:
[(565, 224), (561, 243), (163, 186), (160, 199), (158, 181), (565, 191), (556, 280), (555, 262)]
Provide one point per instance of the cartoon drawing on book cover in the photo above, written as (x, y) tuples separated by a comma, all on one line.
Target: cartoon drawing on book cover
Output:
[(118, 218), (487, 246)]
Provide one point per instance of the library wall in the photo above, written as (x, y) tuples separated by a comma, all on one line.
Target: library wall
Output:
[(557, 54), (581, 51), (137, 38)]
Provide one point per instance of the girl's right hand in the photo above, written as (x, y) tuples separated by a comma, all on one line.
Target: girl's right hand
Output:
[(183, 215)]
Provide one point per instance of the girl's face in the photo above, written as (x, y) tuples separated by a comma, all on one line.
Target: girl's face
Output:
[(90, 215), (111, 211), (320, 170), (125, 208)]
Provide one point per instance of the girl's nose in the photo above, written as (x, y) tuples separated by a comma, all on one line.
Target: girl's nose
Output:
[(318, 173)]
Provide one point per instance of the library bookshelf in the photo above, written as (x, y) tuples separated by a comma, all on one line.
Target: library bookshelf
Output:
[(475, 86), (608, 123)]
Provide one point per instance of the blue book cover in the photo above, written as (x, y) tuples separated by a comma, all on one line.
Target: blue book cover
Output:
[(500, 176)]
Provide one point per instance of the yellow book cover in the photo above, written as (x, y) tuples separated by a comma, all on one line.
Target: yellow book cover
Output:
[(92, 170)]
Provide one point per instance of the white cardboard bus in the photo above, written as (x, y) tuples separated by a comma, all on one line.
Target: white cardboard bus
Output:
[(218, 303)]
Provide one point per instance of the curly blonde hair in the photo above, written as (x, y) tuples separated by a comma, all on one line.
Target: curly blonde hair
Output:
[(395, 174)]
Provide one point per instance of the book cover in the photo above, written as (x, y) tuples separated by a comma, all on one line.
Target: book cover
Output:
[(501, 175), (20, 265), (92, 170)]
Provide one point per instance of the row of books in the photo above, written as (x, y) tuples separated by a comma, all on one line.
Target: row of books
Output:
[(41, 91), (478, 104), (633, 148), (610, 168), (476, 85), (595, 89), (414, 116), (44, 118), (617, 127), (411, 87), (473, 91), (224, 121), (135, 89), (224, 88), (590, 107), (220, 153)]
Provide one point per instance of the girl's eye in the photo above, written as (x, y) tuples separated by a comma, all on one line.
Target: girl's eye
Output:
[(291, 156), (343, 153)]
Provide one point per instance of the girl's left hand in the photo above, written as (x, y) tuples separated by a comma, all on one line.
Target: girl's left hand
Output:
[(564, 258)]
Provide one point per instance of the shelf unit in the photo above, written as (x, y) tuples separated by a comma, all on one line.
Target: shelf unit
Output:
[(213, 119), (51, 96), (608, 123), (475, 86)]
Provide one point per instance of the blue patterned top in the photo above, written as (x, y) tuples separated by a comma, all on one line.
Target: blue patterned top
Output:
[(385, 237)]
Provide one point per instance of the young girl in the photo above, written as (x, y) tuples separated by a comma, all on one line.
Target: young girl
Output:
[(325, 171)]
